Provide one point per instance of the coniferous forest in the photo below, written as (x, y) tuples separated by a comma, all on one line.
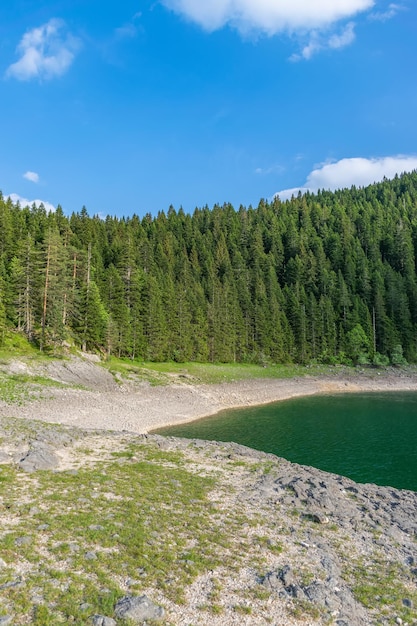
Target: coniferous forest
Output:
[(328, 277)]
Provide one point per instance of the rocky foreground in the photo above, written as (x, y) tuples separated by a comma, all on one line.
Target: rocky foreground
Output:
[(105, 527)]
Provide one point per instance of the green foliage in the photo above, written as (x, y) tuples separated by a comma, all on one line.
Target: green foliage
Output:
[(397, 356), (327, 278)]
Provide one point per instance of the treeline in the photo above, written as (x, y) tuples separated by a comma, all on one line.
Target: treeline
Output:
[(327, 277)]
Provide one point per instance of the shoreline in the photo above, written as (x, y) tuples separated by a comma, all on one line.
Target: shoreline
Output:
[(142, 409)]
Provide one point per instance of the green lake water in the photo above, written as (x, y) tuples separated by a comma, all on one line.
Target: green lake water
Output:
[(367, 437)]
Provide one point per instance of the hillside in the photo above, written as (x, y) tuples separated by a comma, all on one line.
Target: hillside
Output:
[(327, 277)]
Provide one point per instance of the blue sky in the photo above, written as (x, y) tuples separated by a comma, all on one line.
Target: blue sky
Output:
[(128, 107)]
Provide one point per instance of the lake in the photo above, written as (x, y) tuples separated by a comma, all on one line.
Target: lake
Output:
[(369, 437)]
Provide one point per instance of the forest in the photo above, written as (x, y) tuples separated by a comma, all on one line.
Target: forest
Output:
[(326, 278)]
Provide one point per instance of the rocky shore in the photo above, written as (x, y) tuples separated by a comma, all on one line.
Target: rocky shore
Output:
[(228, 535), (93, 398)]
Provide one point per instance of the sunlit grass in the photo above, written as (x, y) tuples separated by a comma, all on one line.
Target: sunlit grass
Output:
[(77, 536), (209, 373)]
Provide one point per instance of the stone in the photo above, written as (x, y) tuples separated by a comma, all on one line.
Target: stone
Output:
[(103, 620), (138, 609), (39, 457), (34, 510), (22, 541)]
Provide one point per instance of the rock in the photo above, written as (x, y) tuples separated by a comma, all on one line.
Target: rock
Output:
[(90, 556), (4, 457), (282, 581), (272, 580), (34, 510), (138, 609), (11, 584), (102, 620), (22, 541), (317, 517), (39, 457), (5, 620), (317, 594)]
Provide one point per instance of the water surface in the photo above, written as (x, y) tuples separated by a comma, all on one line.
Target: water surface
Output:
[(369, 437)]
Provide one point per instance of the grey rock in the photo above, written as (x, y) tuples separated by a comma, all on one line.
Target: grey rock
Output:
[(90, 556), (14, 583), (5, 620), (316, 593), (138, 609), (74, 547), (34, 510), (102, 620), (39, 457), (272, 581), (23, 541)]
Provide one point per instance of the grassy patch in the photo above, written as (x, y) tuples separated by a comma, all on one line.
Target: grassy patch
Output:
[(21, 388), (164, 373), (81, 539), (379, 585)]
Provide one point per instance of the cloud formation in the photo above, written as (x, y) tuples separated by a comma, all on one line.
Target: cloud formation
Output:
[(319, 42), (384, 16), (129, 30), (14, 197), (32, 176), (45, 52), (355, 171), (268, 16)]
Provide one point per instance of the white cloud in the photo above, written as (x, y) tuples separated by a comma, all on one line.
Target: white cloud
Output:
[(32, 176), (272, 169), (130, 29), (268, 16), (45, 52), (355, 171), (14, 197), (384, 16), (344, 39), (319, 42)]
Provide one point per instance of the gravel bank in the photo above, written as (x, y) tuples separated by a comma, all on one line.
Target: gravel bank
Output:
[(138, 407)]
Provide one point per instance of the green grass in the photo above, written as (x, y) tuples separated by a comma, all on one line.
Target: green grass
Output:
[(164, 373), (379, 585), (21, 388), (142, 516)]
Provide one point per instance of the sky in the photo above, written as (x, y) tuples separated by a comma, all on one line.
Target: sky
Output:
[(133, 106)]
